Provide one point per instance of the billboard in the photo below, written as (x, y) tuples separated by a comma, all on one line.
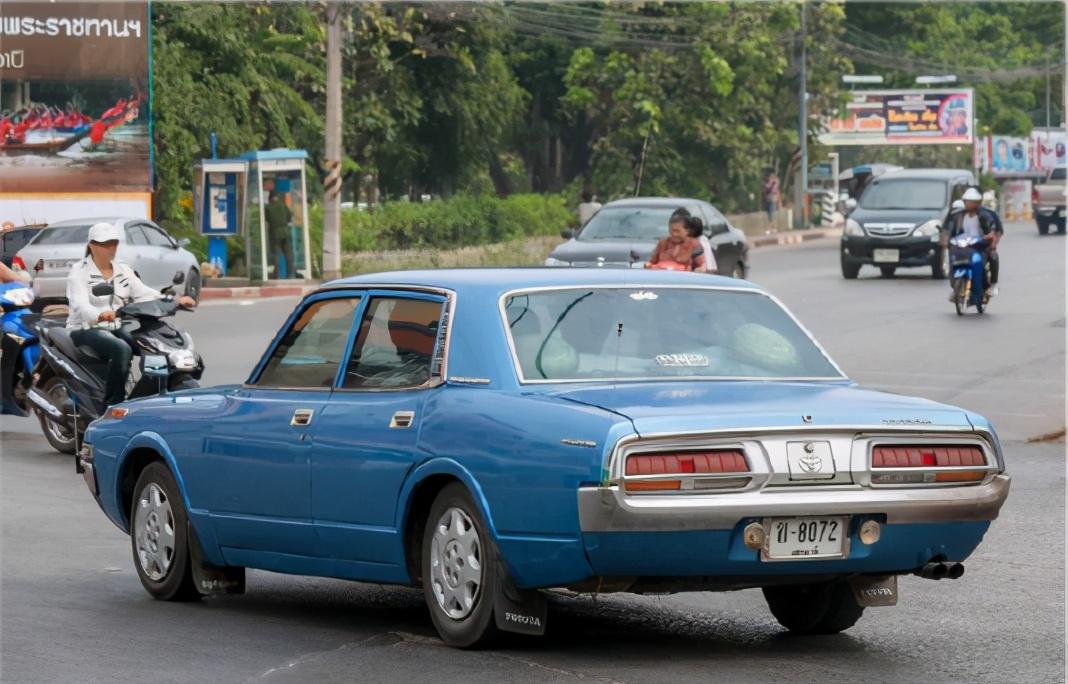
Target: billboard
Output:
[(1006, 156), (74, 86), (903, 117)]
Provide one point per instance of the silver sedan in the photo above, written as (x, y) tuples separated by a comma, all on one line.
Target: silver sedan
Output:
[(153, 254)]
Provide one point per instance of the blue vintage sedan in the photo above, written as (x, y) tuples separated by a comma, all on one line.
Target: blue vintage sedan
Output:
[(487, 434)]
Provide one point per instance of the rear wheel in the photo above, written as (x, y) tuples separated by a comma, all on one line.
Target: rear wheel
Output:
[(59, 435), (159, 537), (823, 608), (888, 271)]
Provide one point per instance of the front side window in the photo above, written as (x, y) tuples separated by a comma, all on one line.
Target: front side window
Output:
[(135, 237), (310, 353), (156, 237), (396, 344), (659, 333), (905, 194)]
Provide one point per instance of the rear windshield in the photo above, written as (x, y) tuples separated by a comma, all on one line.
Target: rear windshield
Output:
[(63, 235), (1058, 174), (905, 194), (629, 223), (17, 239), (582, 334)]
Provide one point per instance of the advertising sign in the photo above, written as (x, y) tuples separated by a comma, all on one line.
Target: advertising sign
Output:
[(1006, 156), (1049, 149), (74, 84), (903, 117)]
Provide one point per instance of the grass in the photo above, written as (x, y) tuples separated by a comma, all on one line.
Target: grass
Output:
[(523, 252)]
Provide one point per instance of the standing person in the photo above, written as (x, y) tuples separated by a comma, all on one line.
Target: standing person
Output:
[(87, 310), (771, 193), (979, 221), (678, 251), (696, 230), (588, 207), (278, 219)]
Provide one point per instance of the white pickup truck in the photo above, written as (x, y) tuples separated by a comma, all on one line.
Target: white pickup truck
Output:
[(1048, 200)]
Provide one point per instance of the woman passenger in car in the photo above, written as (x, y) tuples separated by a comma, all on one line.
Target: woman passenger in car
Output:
[(678, 251)]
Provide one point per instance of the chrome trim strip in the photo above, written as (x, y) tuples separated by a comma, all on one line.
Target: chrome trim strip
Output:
[(623, 286), (607, 509)]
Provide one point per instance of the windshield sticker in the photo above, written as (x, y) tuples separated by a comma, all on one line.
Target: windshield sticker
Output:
[(682, 360), (644, 296)]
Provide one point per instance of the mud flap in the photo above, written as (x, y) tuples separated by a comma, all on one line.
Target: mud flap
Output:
[(523, 611), (873, 591), (212, 579)]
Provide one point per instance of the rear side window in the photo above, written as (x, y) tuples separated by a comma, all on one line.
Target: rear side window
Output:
[(17, 239), (396, 344), (63, 235), (311, 352)]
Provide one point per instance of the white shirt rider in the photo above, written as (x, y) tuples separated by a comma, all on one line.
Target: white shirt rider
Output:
[(970, 225)]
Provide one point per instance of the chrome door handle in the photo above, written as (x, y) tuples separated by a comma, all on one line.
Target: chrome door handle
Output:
[(301, 417), (402, 419)]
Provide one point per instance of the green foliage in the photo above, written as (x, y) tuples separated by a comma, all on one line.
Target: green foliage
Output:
[(459, 221)]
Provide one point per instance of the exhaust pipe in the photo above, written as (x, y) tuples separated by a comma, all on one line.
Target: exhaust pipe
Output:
[(41, 401), (941, 570)]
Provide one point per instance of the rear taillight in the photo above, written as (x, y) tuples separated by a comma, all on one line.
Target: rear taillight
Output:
[(18, 264), (904, 464), (1034, 196), (686, 470)]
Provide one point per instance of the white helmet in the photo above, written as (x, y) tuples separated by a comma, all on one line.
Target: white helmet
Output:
[(104, 232), (957, 205), (972, 195)]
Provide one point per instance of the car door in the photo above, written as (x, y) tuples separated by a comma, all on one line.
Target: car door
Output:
[(256, 456), (162, 252), (365, 442)]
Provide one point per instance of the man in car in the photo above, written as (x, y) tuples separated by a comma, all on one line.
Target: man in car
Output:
[(979, 221)]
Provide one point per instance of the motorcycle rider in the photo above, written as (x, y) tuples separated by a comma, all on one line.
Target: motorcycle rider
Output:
[(88, 311), (981, 222), (9, 276)]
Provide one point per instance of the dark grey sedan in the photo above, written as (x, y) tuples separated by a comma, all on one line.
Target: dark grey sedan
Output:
[(624, 232)]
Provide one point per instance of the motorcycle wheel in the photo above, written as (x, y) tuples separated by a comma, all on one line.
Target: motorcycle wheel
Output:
[(60, 437), (960, 295)]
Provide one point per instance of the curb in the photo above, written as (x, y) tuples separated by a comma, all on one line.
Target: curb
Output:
[(253, 292), (794, 237)]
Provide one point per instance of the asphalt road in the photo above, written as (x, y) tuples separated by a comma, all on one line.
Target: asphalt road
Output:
[(72, 610)]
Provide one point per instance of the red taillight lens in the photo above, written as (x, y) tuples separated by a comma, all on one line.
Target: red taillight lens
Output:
[(906, 456), (688, 462), (1034, 196), (18, 264)]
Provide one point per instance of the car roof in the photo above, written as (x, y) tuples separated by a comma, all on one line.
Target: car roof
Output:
[(932, 174), (505, 279), (98, 219), (653, 202)]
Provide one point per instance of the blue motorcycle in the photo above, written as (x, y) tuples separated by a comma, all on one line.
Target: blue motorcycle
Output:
[(19, 349), (970, 272)]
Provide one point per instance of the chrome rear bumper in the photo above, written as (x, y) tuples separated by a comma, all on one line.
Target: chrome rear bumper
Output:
[(607, 509)]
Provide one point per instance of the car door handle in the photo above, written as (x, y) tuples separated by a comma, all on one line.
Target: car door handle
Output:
[(301, 417), (402, 419)]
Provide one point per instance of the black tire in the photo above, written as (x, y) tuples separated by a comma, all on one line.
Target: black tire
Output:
[(193, 284), (888, 271), (1061, 226), (823, 608), (1043, 225), (60, 437), (849, 270), (176, 582), (940, 265), (960, 296), (477, 627)]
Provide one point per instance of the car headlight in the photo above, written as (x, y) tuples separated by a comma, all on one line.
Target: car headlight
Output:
[(853, 228), (552, 261), (929, 229)]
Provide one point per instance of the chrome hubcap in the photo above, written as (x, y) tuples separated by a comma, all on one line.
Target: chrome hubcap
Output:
[(153, 528), (455, 564), (58, 394)]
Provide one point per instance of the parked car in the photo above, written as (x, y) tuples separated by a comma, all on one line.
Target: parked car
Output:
[(154, 255), (624, 233), (1048, 200), (898, 221), (487, 433), (14, 239)]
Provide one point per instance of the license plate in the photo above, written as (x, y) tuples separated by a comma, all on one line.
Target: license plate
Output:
[(1061, 213), (809, 538), (885, 256), (60, 265)]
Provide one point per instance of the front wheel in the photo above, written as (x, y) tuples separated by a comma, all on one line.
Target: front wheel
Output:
[(940, 265), (159, 537), (822, 608), (193, 284), (460, 570), (1043, 226), (960, 295), (850, 271)]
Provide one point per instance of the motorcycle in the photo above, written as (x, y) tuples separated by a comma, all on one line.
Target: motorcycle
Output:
[(970, 273), (19, 349), (68, 384)]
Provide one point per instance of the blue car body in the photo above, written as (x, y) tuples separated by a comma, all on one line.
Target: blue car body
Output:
[(542, 460)]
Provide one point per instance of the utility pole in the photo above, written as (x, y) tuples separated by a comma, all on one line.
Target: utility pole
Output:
[(1047, 97), (800, 219), (332, 161)]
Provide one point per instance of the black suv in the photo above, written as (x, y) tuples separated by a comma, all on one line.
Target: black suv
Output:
[(898, 221)]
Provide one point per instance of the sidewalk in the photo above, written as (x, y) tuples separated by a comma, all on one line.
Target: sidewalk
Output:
[(789, 237)]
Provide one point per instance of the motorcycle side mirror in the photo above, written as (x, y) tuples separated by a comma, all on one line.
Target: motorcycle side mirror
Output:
[(178, 278), (154, 365), (103, 289)]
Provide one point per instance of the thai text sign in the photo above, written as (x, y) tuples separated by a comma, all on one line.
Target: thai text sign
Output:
[(903, 117)]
